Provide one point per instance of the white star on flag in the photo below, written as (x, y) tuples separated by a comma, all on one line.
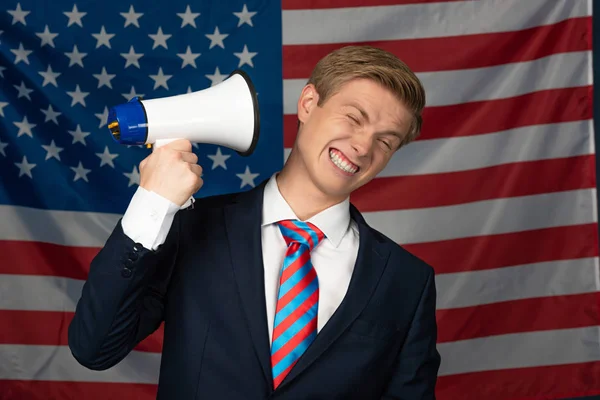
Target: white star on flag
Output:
[(18, 15), (75, 16), (219, 159), (132, 93), (103, 117), (52, 151), (103, 38), (134, 176), (217, 77), (80, 172), (2, 105), (49, 76), (132, 57), (188, 18), (23, 91), (131, 17), (160, 39), (25, 167), (245, 17), (216, 38), (47, 37), (107, 158), (161, 79), (79, 135), (25, 127), (21, 54), (51, 115), (3, 146), (75, 57), (245, 57), (78, 96), (247, 178), (104, 78), (188, 57)]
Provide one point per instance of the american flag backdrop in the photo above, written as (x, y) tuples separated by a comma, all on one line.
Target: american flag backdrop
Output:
[(498, 194)]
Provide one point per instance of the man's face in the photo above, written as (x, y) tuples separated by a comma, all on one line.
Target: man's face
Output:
[(348, 140)]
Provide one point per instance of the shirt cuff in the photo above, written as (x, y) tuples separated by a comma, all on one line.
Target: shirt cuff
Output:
[(148, 218)]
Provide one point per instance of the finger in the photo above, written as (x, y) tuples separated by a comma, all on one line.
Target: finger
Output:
[(180, 145), (196, 169), (189, 157)]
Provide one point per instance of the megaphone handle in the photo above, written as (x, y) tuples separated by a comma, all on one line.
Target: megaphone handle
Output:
[(159, 143)]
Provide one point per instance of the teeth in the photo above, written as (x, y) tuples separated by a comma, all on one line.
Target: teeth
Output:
[(342, 164)]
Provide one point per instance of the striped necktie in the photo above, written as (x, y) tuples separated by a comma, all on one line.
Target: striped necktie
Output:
[(295, 325)]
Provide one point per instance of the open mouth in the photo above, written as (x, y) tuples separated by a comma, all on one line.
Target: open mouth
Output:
[(341, 161)]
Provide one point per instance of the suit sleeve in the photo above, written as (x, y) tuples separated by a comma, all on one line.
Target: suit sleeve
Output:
[(122, 300), (417, 366)]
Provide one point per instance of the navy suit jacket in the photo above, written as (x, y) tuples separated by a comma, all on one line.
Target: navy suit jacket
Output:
[(206, 283)]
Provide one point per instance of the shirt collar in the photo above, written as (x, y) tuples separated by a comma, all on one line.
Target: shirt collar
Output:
[(333, 221)]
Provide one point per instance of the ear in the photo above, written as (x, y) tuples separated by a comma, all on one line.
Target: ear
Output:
[(307, 102)]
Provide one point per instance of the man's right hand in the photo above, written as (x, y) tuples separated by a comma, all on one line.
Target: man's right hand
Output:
[(172, 171)]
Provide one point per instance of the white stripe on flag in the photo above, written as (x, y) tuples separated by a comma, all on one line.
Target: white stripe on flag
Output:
[(39, 293), (520, 350), (553, 278), (56, 363), (530, 143), (443, 88), (403, 226), (416, 21), (486, 217), (58, 227)]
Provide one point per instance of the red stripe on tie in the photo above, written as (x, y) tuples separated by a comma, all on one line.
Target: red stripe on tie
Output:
[(296, 289), (302, 259), (278, 379), (294, 341), (307, 237), (297, 313)]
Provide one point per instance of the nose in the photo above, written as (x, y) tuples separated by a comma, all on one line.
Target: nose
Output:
[(361, 144)]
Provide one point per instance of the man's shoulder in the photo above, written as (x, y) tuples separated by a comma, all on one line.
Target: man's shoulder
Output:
[(402, 257)]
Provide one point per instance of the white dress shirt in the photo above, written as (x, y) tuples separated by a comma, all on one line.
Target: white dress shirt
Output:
[(149, 217)]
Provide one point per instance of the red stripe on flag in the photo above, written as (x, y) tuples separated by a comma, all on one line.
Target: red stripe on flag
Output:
[(543, 107), (536, 383), (23, 327), (527, 315), (501, 181), (322, 4), (458, 52), (37, 258), (44, 390), (487, 252)]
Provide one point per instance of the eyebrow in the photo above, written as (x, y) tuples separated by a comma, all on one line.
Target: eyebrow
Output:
[(366, 117)]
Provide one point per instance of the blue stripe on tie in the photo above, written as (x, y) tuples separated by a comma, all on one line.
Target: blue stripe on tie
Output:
[(304, 226), (294, 279), (296, 301), (289, 259), (293, 235), (295, 354), (294, 328)]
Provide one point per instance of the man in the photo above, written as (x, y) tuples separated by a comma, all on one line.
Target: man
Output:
[(352, 314)]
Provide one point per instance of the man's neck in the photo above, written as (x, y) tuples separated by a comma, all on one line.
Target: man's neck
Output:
[(305, 199)]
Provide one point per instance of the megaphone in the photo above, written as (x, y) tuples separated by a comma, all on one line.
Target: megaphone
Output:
[(226, 114)]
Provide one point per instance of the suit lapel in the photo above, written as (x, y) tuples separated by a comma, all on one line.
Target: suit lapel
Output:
[(243, 224), (370, 264)]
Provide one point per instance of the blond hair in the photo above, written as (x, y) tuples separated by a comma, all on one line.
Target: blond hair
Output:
[(352, 62)]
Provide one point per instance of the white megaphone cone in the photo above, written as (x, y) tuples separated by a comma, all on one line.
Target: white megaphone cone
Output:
[(226, 114)]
